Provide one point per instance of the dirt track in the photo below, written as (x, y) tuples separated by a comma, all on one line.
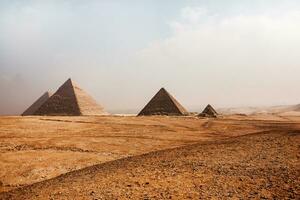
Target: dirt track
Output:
[(225, 162)]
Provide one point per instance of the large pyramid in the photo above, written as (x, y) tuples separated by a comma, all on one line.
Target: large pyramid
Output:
[(37, 104), (69, 99), (163, 104), (209, 111)]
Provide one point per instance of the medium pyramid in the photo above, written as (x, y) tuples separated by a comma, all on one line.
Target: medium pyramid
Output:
[(209, 111), (37, 104), (69, 99), (163, 103)]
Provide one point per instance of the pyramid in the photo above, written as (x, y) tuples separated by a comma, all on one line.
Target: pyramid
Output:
[(163, 104), (37, 104), (209, 111), (69, 99)]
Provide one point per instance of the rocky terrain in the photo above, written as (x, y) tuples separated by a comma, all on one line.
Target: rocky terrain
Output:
[(161, 158)]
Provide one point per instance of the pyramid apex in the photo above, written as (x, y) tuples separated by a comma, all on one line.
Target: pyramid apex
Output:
[(69, 80), (162, 89)]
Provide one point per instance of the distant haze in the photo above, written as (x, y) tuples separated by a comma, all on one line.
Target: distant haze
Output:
[(227, 53)]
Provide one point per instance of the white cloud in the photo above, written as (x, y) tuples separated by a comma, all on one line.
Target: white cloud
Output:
[(193, 14), (246, 41), (242, 55)]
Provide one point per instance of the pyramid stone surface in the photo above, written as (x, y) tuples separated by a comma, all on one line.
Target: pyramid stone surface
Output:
[(69, 99), (37, 104), (163, 103), (209, 111)]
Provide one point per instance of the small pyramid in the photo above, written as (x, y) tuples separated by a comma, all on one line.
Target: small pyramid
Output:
[(209, 111), (37, 104), (69, 99), (163, 103)]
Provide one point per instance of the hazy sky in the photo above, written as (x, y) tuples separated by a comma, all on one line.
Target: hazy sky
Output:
[(227, 53)]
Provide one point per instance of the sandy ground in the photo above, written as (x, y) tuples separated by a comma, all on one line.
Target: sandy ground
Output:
[(35, 149)]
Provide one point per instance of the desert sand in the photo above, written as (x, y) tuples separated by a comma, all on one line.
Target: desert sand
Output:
[(109, 157)]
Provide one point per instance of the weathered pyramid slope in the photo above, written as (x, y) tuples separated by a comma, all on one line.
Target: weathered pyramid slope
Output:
[(87, 105), (37, 104), (69, 99), (163, 103), (209, 111)]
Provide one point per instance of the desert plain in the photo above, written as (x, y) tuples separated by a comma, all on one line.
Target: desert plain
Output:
[(157, 157)]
